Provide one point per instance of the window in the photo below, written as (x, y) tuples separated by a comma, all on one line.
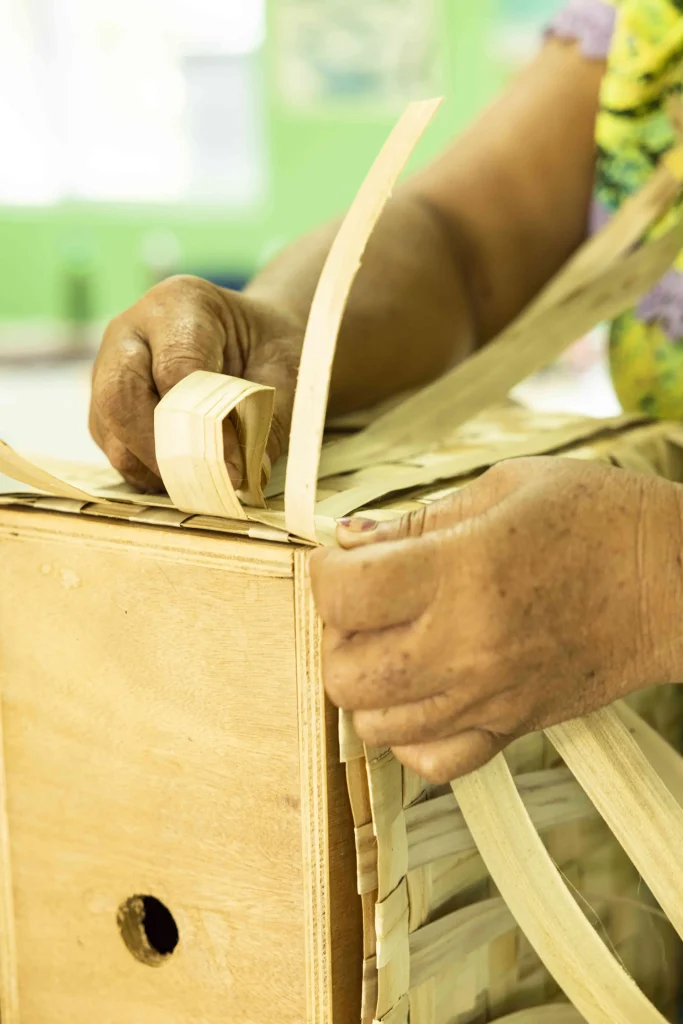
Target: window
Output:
[(131, 100)]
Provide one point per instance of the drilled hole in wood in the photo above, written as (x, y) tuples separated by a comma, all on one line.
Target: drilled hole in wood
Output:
[(148, 929)]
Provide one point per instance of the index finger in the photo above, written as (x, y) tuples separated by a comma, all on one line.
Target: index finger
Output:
[(136, 366), (123, 392), (377, 586)]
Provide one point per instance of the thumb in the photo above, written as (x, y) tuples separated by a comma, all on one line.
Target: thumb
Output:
[(468, 502)]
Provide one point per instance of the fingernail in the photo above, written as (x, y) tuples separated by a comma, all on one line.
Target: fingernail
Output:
[(357, 524)]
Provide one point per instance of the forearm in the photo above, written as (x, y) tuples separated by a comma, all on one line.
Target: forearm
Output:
[(408, 317), (465, 244), (513, 192)]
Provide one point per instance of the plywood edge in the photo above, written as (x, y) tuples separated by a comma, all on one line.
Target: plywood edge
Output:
[(333, 955), (9, 983), (253, 557)]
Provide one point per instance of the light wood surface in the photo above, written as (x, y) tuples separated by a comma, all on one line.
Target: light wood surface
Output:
[(149, 686)]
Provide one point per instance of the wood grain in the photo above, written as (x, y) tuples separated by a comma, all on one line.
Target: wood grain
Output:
[(9, 967), (151, 732)]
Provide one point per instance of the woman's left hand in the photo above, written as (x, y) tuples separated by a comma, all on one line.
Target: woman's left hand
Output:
[(544, 590)]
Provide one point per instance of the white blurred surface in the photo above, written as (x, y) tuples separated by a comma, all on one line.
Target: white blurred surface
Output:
[(589, 393), (98, 99), (46, 411)]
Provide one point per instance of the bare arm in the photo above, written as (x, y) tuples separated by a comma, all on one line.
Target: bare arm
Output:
[(514, 190), (458, 252), (467, 242)]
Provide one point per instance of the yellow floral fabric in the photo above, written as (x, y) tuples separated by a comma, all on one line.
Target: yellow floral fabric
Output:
[(633, 130)]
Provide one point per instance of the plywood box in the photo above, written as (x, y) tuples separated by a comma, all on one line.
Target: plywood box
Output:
[(165, 735)]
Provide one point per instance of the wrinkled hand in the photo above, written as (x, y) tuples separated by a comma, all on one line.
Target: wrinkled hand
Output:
[(540, 592), (181, 325)]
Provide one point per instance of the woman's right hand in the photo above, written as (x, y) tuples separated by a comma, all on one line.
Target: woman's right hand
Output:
[(181, 325)]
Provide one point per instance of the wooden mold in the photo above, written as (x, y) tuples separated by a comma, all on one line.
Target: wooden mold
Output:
[(190, 833)]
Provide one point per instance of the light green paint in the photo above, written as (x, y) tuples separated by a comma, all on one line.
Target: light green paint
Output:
[(316, 165)]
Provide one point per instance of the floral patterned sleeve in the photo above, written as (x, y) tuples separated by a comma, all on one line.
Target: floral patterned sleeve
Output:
[(641, 42), (590, 22)]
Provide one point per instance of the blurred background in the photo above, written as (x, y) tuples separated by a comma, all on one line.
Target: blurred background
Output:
[(143, 138)]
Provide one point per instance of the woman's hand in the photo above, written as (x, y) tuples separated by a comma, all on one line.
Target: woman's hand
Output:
[(542, 591), (181, 325)]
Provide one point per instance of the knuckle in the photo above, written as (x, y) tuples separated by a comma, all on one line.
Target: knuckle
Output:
[(116, 326), (430, 766), (178, 287), (186, 302), (526, 464), (412, 524), (183, 302), (516, 470), (438, 710), (190, 342), (371, 727), (503, 472), (181, 282), (348, 685), (173, 364)]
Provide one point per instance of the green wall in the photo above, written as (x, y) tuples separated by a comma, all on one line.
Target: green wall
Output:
[(316, 165)]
